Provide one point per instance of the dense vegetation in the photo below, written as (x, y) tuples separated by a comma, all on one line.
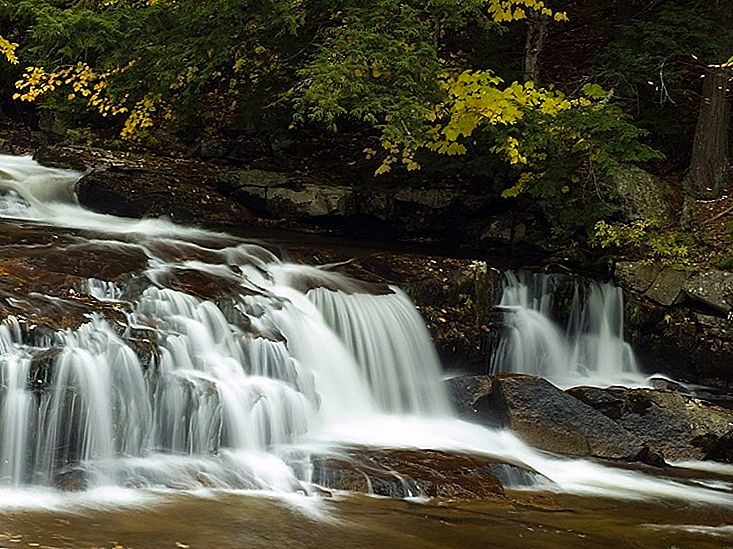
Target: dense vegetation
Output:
[(541, 101)]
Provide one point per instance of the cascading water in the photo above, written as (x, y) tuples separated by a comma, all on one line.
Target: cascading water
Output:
[(227, 388), (178, 387), (590, 350)]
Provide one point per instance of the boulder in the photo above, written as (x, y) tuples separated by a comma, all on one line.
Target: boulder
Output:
[(468, 395), (668, 286), (636, 275), (553, 420), (178, 195), (677, 426), (642, 195), (136, 186)]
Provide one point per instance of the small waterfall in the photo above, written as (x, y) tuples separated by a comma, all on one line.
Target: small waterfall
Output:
[(589, 350), (403, 372), (17, 407)]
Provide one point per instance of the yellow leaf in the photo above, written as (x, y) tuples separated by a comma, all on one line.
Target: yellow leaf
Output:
[(384, 168)]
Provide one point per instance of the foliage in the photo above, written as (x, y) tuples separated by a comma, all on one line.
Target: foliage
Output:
[(7, 49), (419, 77), (119, 46), (646, 238), (656, 59), (515, 10), (725, 263), (377, 66)]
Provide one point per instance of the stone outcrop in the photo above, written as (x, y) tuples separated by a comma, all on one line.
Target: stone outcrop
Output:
[(713, 289), (224, 196), (680, 321)]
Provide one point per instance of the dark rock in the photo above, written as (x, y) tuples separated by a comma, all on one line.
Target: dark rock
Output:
[(468, 396), (525, 230), (680, 342), (437, 198), (606, 402), (711, 288), (636, 276), (73, 480), (553, 420), (650, 457), (721, 449), (174, 192), (55, 157), (138, 186), (642, 195), (252, 180), (664, 384), (667, 287), (677, 426)]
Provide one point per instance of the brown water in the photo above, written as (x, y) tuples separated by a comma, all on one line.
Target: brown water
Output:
[(234, 521)]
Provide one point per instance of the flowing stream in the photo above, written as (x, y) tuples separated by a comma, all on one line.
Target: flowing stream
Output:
[(236, 390)]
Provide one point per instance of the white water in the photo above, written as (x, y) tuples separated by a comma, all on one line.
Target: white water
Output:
[(588, 350), (236, 395)]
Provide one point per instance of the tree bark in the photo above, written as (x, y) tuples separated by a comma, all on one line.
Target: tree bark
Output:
[(710, 163), (536, 33)]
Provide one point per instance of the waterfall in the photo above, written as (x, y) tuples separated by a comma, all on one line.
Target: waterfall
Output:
[(229, 387), (213, 364), (588, 350), (213, 388)]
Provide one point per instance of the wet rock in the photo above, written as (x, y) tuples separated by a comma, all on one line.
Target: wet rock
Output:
[(468, 395), (525, 230), (137, 186), (220, 195), (711, 288), (721, 448), (144, 342), (174, 192), (677, 426), (553, 420), (278, 195), (430, 198), (251, 179), (63, 158), (430, 473), (73, 480), (606, 402), (680, 342), (42, 284), (664, 384), (679, 325), (201, 284)]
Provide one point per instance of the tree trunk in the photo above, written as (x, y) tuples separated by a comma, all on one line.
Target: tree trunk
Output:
[(709, 166), (533, 48)]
